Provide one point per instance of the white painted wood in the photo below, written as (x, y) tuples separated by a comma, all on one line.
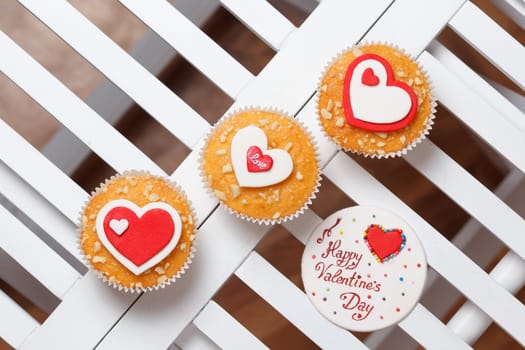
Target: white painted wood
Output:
[(263, 19), (476, 112), (192, 43), (81, 305), (224, 330), (473, 282), (15, 323), (491, 95), (70, 110), (492, 41), (428, 330), (469, 193), (515, 9), (49, 181), (293, 304), (516, 99), (109, 101), (469, 322), (154, 97), (192, 338), (30, 252)]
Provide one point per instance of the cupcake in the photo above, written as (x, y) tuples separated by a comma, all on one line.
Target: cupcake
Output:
[(137, 232), (262, 165), (376, 101)]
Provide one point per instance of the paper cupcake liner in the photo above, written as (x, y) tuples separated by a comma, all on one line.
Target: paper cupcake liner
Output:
[(430, 118), (268, 221), (113, 283)]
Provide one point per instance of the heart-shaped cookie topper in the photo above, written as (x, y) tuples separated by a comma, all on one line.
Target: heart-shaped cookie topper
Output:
[(373, 100), (138, 238), (253, 163), (384, 244)]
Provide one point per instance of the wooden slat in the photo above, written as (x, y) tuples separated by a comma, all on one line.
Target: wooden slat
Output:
[(70, 110), (154, 97), (35, 256), (38, 209), (478, 84), (224, 330), (291, 302), (192, 338), (476, 112), (49, 181), (192, 43), (263, 19), (470, 194), (472, 281), (492, 41), (15, 323)]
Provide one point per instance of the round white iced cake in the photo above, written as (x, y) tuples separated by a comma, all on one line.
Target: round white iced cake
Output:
[(364, 268)]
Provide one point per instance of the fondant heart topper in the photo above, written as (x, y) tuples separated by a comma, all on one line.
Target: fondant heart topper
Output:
[(138, 237), (373, 100), (253, 163), (384, 244)]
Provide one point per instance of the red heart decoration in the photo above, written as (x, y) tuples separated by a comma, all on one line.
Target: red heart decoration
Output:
[(369, 78), (144, 236), (384, 244), (256, 161)]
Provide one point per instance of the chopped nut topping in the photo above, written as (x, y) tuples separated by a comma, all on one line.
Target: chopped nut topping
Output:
[(227, 168), (262, 195), (84, 238), (222, 138), (132, 182), (340, 122), (153, 197), (112, 279), (276, 215), (263, 121), (182, 246), (380, 152), (149, 187), (274, 125), (329, 105), (360, 143), (338, 104), (380, 144), (244, 202), (410, 82), (220, 195), (401, 74), (125, 190), (288, 146), (372, 140), (190, 219), (96, 247), (418, 81), (299, 176), (340, 76), (84, 221), (382, 135), (220, 152), (326, 114), (92, 216), (139, 285), (98, 259), (160, 270), (276, 195), (402, 138), (324, 87), (192, 237), (357, 52), (236, 190), (183, 218), (166, 266), (162, 279)]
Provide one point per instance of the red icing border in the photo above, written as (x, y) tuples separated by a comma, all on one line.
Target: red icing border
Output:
[(347, 103)]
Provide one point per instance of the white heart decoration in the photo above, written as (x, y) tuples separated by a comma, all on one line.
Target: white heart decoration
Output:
[(119, 226), (253, 136), (155, 259), (379, 104)]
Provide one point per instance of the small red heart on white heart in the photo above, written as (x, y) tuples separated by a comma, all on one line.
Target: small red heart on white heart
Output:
[(119, 226), (246, 142), (372, 98)]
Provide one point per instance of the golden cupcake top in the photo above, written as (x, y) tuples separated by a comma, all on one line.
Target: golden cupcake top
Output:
[(375, 100), (262, 165), (137, 231)]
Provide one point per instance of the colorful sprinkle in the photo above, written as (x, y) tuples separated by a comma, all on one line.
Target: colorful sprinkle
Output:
[(324, 299), (335, 312), (369, 296), (397, 309), (313, 294), (367, 275), (341, 232), (409, 249), (381, 317), (386, 275), (327, 289), (405, 266), (418, 265), (353, 219), (402, 294), (383, 298), (369, 264), (401, 279), (313, 256)]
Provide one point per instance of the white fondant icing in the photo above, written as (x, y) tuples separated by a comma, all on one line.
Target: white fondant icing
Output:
[(253, 136), (379, 104), (137, 270), (345, 282), (119, 226)]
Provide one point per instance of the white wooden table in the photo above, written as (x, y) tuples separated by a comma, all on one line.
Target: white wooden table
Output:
[(92, 315)]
